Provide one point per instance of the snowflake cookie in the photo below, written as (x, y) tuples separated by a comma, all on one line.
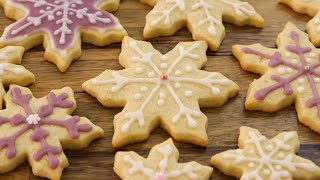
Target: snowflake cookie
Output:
[(37, 130), (61, 25), (10, 71), (202, 17), (291, 74), (310, 7), (269, 159), (163, 90), (161, 164)]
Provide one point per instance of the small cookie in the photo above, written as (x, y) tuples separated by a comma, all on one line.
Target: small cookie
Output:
[(291, 74), (61, 25), (312, 9), (161, 164), (202, 17), (165, 90), (10, 71), (37, 130), (262, 158)]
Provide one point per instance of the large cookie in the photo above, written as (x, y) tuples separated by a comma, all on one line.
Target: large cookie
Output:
[(61, 26), (202, 17), (290, 75), (161, 90)]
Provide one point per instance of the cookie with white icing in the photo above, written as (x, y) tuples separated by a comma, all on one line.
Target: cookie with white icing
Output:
[(10, 70), (161, 90), (38, 130), (290, 75), (61, 26), (202, 17), (161, 164), (312, 9), (268, 159)]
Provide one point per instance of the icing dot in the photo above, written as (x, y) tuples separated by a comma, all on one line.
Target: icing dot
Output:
[(189, 69), (317, 79), (164, 57), (289, 70), (56, 2), (144, 89), (269, 147), (281, 155), (59, 13), (188, 93), (251, 151), (177, 85), (178, 73), (164, 65), (48, 8), (288, 54), (33, 119), (71, 13), (73, 5), (312, 54), (309, 60), (301, 89), (162, 95), (139, 70), (266, 172), (301, 81), (151, 74), (281, 71), (295, 61), (278, 167), (160, 102), (251, 165), (137, 96)]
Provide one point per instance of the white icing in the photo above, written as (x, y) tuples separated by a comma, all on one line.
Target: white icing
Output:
[(312, 54), (189, 69), (164, 58), (281, 71), (239, 7), (137, 96), (139, 70), (301, 89), (33, 119), (309, 60), (11, 68), (289, 70), (301, 80), (178, 73), (288, 54), (146, 58), (267, 162), (317, 80), (144, 89), (164, 65)]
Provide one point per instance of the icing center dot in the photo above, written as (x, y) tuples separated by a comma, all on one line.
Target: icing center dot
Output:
[(307, 68), (163, 76), (33, 119)]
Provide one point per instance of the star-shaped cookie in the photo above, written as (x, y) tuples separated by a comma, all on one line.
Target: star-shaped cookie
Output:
[(310, 7), (268, 159), (38, 130), (202, 17), (290, 75), (61, 26), (161, 164), (161, 90), (10, 70)]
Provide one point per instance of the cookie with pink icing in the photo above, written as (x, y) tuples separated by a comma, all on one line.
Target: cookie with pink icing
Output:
[(268, 159), (312, 9), (164, 90), (61, 26), (161, 164), (10, 70), (290, 75), (38, 130), (203, 18)]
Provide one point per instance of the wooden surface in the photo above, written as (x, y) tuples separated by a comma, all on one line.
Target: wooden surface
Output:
[(96, 161)]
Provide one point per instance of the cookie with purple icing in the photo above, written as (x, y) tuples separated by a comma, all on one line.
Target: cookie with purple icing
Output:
[(290, 75), (61, 26), (38, 130)]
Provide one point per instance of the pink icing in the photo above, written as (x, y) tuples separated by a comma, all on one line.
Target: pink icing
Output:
[(39, 134), (50, 16), (302, 70), (160, 176)]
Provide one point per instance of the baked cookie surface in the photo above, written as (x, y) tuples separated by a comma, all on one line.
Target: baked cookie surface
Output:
[(61, 26), (161, 90)]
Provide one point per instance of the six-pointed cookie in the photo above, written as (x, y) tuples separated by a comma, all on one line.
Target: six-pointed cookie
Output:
[(165, 90), (310, 7), (10, 70), (290, 75), (202, 17), (162, 163), (268, 159), (38, 130), (61, 26)]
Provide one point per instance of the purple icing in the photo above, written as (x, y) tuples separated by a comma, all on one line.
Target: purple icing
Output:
[(302, 70), (52, 16), (39, 134)]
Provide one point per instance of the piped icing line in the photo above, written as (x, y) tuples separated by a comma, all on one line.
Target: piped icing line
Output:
[(30, 120), (303, 70), (166, 80)]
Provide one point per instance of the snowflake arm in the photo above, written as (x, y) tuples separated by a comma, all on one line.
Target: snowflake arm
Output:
[(161, 163), (172, 83), (49, 121), (261, 158)]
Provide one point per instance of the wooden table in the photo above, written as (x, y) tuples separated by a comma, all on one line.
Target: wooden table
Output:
[(96, 161)]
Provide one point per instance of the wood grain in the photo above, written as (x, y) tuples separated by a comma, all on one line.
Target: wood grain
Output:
[(96, 161)]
